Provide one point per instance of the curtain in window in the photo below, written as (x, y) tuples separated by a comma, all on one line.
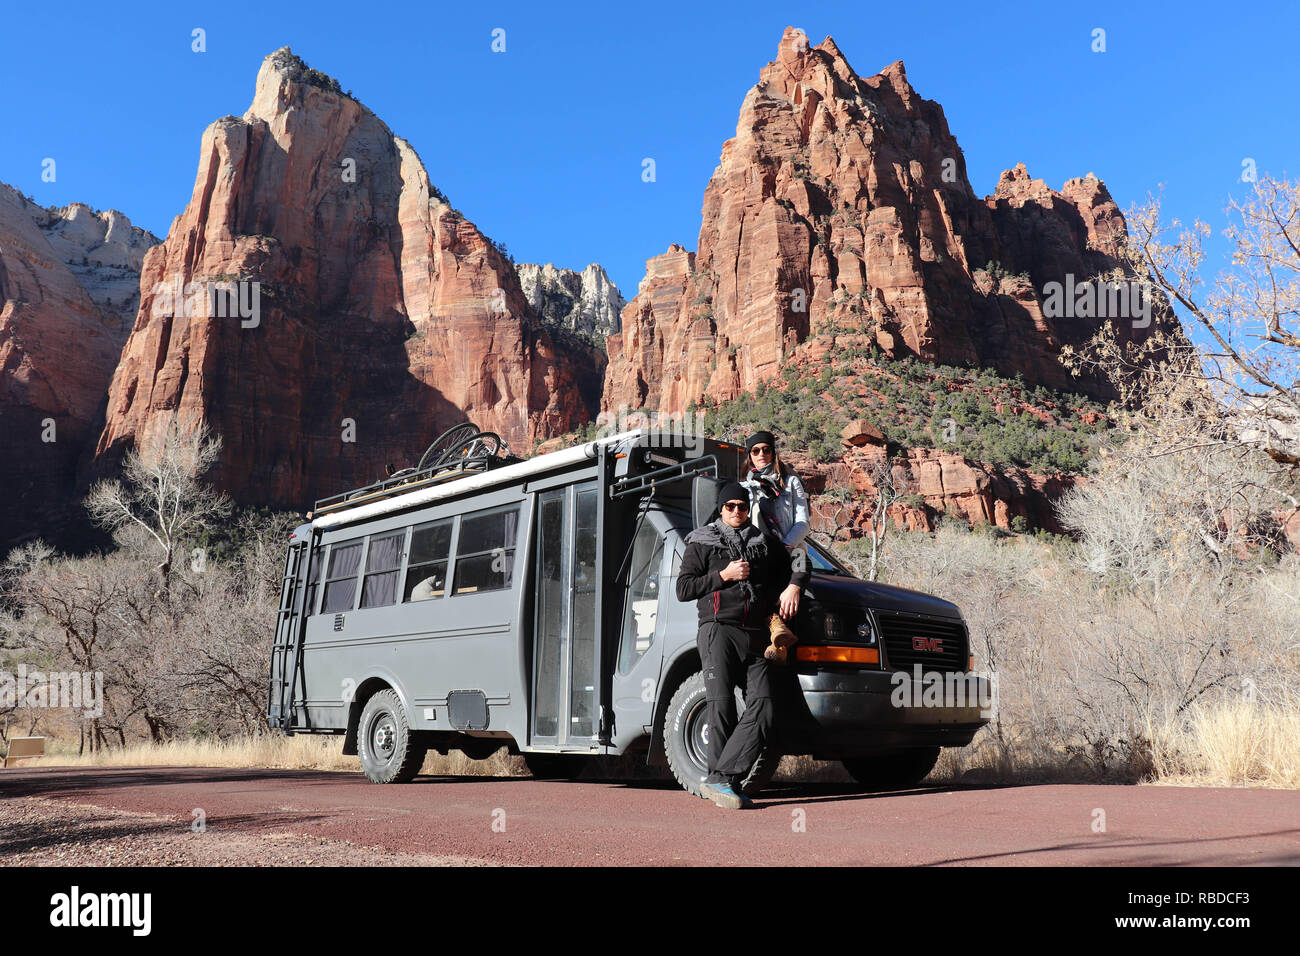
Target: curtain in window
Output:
[(344, 561), (379, 589), (385, 553), (341, 586)]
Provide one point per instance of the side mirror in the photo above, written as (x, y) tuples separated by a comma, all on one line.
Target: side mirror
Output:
[(704, 498)]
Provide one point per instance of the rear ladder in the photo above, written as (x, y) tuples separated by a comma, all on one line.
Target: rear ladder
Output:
[(287, 677)]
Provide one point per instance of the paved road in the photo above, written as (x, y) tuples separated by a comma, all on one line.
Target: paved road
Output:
[(521, 820)]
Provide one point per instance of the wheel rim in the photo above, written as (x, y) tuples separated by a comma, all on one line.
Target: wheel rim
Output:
[(444, 442), (383, 737), (697, 736)]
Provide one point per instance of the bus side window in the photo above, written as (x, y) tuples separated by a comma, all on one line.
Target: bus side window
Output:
[(641, 598), (313, 581), (341, 578), (426, 572), (485, 551), (384, 557)]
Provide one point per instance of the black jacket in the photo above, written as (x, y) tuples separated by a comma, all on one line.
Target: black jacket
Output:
[(731, 602)]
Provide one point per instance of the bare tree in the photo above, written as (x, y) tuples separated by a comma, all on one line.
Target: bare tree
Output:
[(71, 611), (161, 497), (1224, 417), (838, 510), (834, 509), (886, 493), (1251, 311)]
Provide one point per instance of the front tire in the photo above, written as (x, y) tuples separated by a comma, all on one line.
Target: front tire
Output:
[(895, 771), (685, 735), (388, 750)]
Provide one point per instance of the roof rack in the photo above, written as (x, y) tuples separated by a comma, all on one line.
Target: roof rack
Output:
[(428, 484), (706, 465), (400, 484)]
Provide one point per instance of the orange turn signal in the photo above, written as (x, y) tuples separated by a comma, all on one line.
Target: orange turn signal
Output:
[(830, 654), (970, 662)]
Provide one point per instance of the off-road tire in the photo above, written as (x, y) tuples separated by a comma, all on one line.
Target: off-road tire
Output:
[(388, 750), (684, 745), (893, 771)]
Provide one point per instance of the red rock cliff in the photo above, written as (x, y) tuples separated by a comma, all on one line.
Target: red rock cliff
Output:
[(385, 316), (842, 202), (61, 332)]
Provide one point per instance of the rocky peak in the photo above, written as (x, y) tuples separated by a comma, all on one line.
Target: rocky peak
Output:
[(68, 278), (285, 80), (385, 316), (842, 203), (585, 303), (104, 251)]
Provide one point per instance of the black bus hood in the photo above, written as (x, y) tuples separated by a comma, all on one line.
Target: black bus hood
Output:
[(842, 590)]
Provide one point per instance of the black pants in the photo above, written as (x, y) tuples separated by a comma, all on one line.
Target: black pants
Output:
[(733, 657)]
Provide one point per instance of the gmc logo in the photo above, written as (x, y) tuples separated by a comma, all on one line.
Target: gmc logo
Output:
[(934, 644)]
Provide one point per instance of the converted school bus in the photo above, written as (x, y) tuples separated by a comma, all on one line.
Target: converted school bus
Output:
[(489, 601)]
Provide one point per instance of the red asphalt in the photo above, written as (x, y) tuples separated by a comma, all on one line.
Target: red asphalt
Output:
[(525, 821)]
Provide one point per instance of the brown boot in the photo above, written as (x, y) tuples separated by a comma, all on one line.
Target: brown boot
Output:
[(781, 638)]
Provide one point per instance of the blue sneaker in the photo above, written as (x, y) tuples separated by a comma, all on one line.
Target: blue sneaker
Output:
[(724, 796)]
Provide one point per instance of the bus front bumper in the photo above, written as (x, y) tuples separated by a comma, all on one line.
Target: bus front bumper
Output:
[(857, 712)]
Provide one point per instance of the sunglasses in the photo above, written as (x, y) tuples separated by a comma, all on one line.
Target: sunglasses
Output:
[(736, 506), (761, 450)]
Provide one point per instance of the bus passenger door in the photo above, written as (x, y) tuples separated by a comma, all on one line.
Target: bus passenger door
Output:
[(565, 631), (639, 656)]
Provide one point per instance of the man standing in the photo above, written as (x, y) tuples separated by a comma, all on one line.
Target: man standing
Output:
[(735, 574)]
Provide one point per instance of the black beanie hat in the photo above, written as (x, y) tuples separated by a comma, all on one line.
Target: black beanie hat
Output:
[(732, 491), (758, 438)]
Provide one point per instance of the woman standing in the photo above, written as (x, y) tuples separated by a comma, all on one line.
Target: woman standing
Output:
[(781, 508)]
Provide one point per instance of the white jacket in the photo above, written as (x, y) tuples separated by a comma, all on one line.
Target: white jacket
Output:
[(790, 509)]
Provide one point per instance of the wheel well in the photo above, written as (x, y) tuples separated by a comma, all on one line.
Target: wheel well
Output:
[(365, 690), (682, 667)]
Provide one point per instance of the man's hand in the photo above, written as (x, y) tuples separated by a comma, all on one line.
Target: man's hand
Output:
[(735, 571), (789, 601)]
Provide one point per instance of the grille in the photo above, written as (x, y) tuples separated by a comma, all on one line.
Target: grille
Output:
[(901, 631)]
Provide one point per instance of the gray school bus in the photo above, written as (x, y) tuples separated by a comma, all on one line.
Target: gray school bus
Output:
[(480, 600)]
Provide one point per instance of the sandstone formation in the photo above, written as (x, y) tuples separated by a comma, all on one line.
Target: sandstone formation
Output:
[(383, 315), (842, 205), (585, 303), (66, 277), (932, 484), (861, 432), (104, 251)]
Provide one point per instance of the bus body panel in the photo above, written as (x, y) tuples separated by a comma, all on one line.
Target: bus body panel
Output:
[(424, 649), (485, 641)]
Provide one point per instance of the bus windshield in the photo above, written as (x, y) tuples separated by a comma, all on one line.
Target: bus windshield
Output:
[(821, 560)]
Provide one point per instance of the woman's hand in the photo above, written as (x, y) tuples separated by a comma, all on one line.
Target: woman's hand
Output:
[(789, 602)]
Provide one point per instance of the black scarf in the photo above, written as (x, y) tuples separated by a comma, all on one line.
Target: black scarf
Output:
[(735, 540)]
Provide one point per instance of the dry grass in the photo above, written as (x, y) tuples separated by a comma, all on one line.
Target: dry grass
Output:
[(1230, 744), (271, 751)]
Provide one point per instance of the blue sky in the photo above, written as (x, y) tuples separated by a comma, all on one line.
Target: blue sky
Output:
[(542, 145)]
